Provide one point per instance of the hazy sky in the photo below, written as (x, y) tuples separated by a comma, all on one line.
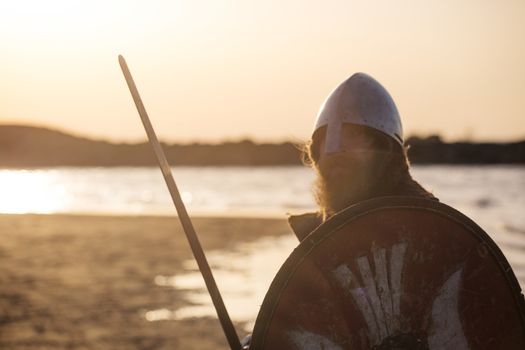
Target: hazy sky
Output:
[(215, 70)]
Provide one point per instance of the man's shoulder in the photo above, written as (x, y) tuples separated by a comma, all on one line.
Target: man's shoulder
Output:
[(303, 224)]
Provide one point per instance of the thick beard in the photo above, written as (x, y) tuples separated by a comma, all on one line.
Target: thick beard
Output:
[(346, 178)]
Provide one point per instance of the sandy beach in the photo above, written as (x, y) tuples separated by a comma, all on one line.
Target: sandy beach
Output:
[(85, 282)]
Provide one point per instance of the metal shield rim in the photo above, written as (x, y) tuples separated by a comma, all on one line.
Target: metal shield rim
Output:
[(287, 270)]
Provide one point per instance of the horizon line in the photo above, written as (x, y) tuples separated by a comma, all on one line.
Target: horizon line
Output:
[(238, 139)]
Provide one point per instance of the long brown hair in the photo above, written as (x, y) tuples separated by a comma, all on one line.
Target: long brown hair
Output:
[(394, 178)]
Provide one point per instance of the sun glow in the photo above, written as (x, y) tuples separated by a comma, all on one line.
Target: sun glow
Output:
[(60, 27), (53, 20)]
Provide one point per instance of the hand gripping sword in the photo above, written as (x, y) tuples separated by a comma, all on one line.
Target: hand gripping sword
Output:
[(226, 323)]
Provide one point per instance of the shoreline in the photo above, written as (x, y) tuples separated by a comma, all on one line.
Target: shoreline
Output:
[(85, 282)]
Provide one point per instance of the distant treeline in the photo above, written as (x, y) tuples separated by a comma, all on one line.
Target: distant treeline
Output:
[(24, 146)]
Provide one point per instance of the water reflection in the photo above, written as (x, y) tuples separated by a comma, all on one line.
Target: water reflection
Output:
[(243, 277), (31, 191), (141, 190)]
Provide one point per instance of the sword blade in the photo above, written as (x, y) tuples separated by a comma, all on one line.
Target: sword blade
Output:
[(224, 318)]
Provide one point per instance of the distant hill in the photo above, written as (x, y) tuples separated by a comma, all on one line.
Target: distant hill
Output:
[(432, 150), (26, 146)]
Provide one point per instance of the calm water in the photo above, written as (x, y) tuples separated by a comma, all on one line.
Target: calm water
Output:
[(267, 190), (493, 196)]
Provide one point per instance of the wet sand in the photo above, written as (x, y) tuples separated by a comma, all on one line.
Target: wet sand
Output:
[(85, 282)]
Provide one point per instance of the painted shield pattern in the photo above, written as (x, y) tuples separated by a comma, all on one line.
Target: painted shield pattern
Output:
[(394, 273)]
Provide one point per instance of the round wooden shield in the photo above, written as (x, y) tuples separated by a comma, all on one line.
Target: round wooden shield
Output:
[(394, 273)]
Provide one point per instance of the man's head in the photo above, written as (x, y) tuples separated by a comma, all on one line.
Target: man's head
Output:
[(359, 100), (357, 147)]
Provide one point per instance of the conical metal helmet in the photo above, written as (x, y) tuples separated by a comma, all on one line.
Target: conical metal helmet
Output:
[(359, 100)]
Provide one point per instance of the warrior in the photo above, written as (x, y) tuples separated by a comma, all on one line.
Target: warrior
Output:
[(384, 265), (357, 151)]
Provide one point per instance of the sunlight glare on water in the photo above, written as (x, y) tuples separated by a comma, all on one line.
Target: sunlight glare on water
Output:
[(31, 191)]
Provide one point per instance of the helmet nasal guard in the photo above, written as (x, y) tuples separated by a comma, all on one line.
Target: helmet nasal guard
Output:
[(359, 100)]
